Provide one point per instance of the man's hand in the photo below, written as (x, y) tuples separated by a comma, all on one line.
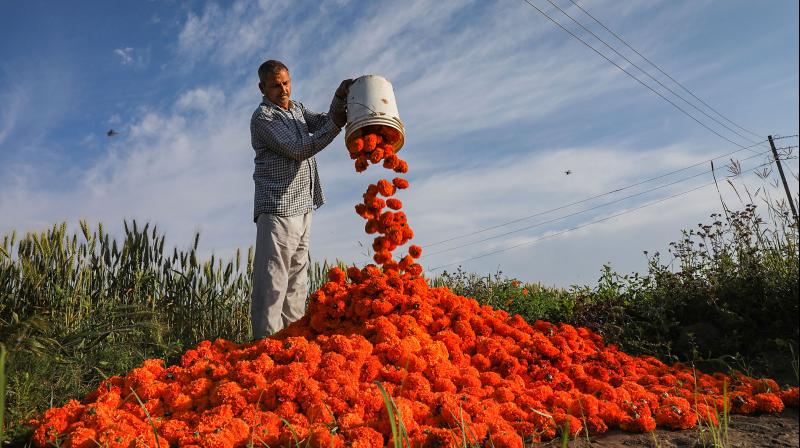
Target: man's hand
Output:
[(339, 117), (343, 89), (339, 112)]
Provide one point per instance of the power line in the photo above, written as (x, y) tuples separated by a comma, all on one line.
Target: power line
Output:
[(616, 190), (662, 71), (682, 110), (586, 224), (784, 136), (648, 74), (569, 215)]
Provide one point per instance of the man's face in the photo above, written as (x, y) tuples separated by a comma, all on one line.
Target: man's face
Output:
[(277, 88)]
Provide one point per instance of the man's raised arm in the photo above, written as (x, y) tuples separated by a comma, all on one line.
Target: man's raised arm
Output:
[(273, 133)]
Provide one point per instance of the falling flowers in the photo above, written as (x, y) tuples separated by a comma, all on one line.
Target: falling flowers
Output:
[(448, 363)]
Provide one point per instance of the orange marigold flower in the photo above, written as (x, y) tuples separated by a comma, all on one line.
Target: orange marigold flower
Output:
[(382, 257), (370, 142), (400, 183), (791, 397), (336, 275), (361, 210), (769, 403), (365, 437), (415, 270), (391, 161), (742, 403), (376, 203), (676, 413), (394, 204), (387, 219), (356, 145), (385, 188), (376, 156), (415, 251), (402, 167), (380, 244), (406, 262)]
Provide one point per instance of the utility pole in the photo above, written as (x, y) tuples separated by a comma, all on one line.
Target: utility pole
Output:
[(783, 177)]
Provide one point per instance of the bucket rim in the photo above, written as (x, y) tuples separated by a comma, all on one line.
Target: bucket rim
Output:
[(389, 121)]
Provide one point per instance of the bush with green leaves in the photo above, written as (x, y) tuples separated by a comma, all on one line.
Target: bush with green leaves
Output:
[(727, 297)]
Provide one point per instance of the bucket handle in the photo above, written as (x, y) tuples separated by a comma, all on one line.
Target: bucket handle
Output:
[(374, 112)]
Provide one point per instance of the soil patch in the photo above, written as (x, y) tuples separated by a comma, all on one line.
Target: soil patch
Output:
[(744, 431)]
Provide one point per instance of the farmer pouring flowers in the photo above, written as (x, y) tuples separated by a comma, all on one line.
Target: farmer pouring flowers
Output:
[(285, 136)]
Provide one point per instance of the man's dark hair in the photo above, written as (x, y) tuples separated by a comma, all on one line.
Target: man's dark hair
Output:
[(271, 67)]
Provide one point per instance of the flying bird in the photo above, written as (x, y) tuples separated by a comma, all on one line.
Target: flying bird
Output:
[(568, 172), (111, 133)]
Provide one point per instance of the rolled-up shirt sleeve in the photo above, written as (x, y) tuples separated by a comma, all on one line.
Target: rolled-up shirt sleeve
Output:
[(272, 131)]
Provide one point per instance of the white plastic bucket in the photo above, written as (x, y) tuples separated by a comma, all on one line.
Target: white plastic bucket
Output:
[(371, 108)]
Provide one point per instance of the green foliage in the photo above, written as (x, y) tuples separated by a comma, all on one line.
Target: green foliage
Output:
[(530, 300), (399, 433), (726, 299), (2, 391), (77, 308), (733, 299)]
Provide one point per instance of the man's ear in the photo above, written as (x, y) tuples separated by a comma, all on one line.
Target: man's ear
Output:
[(260, 88)]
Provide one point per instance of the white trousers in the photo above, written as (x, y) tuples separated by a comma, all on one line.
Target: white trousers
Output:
[(280, 272)]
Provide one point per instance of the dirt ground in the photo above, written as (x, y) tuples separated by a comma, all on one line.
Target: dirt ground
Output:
[(781, 430)]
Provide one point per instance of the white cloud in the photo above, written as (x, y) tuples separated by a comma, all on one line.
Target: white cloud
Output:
[(244, 29), (137, 58), (14, 99), (462, 201), (125, 55), (9, 119), (202, 99), (454, 74)]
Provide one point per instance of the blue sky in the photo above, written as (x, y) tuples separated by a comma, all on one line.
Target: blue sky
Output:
[(497, 102)]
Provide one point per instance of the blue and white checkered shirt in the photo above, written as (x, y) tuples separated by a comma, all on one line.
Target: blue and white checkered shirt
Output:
[(285, 141)]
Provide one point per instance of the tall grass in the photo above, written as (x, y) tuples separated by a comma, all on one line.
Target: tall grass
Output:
[(78, 307), (399, 433), (2, 391), (77, 279), (715, 426)]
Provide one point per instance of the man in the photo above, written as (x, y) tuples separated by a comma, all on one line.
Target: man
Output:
[(286, 136)]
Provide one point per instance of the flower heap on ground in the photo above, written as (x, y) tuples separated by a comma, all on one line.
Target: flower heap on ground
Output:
[(454, 369)]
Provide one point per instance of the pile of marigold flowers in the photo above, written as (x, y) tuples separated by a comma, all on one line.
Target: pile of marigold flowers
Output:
[(454, 369)]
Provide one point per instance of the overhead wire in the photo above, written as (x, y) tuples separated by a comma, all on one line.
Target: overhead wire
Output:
[(605, 204), (662, 71), (616, 190), (682, 110), (648, 74), (589, 223), (645, 85)]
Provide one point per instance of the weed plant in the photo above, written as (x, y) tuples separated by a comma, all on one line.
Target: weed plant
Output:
[(76, 308), (726, 297)]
